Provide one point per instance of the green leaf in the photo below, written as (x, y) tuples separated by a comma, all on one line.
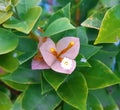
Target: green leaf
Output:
[(33, 95), (28, 48), (8, 41), (23, 76), (57, 26), (24, 5), (45, 86), (94, 21), (93, 103), (63, 12), (106, 99), (14, 85), (15, 2), (6, 60), (116, 93), (109, 30), (99, 75), (74, 91), (110, 3), (81, 61), (81, 33), (53, 78), (89, 50), (18, 103), (108, 59), (26, 23), (5, 103), (68, 107), (4, 16)]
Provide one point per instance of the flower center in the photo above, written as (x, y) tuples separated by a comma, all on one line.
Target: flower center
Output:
[(54, 52), (66, 63)]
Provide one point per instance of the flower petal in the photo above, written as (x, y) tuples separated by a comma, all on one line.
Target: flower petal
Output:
[(73, 51), (58, 68), (46, 53), (36, 64)]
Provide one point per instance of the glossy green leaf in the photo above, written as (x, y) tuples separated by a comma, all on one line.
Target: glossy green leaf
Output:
[(110, 3), (15, 86), (93, 103), (116, 94), (5, 103), (74, 91), (45, 86), (28, 48), (88, 50), (85, 7), (81, 33), (68, 107), (4, 16), (26, 23), (106, 99), (8, 62), (63, 12), (54, 79), (57, 26), (18, 103), (33, 100), (24, 5), (8, 41), (24, 76), (94, 21), (15, 2), (99, 75), (81, 61), (109, 30), (108, 59)]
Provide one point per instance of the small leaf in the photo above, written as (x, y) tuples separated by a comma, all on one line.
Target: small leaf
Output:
[(45, 86), (8, 41), (27, 22), (5, 103), (93, 103), (110, 3), (81, 33), (63, 12), (107, 102), (18, 103), (6, 60), (109, 30), (74, 91), (57, 26), (94, 21), (54, 79), (24, 76), (4, 16), (33, 95), (89, 50), (28, 48), (24, 5), (99, 75), (81, 61), (14, 85)]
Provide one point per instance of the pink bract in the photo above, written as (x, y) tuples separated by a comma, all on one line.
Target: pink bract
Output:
[(38, 62), (67, 47)]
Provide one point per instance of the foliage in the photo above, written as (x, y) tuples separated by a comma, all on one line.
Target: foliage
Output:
[(93, 85)]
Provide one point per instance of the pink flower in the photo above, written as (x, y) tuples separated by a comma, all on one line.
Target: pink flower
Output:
[(60, 57), (38, 61)]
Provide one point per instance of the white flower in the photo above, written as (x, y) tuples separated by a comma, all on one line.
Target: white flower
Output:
[(83, 60), (66, 63)]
